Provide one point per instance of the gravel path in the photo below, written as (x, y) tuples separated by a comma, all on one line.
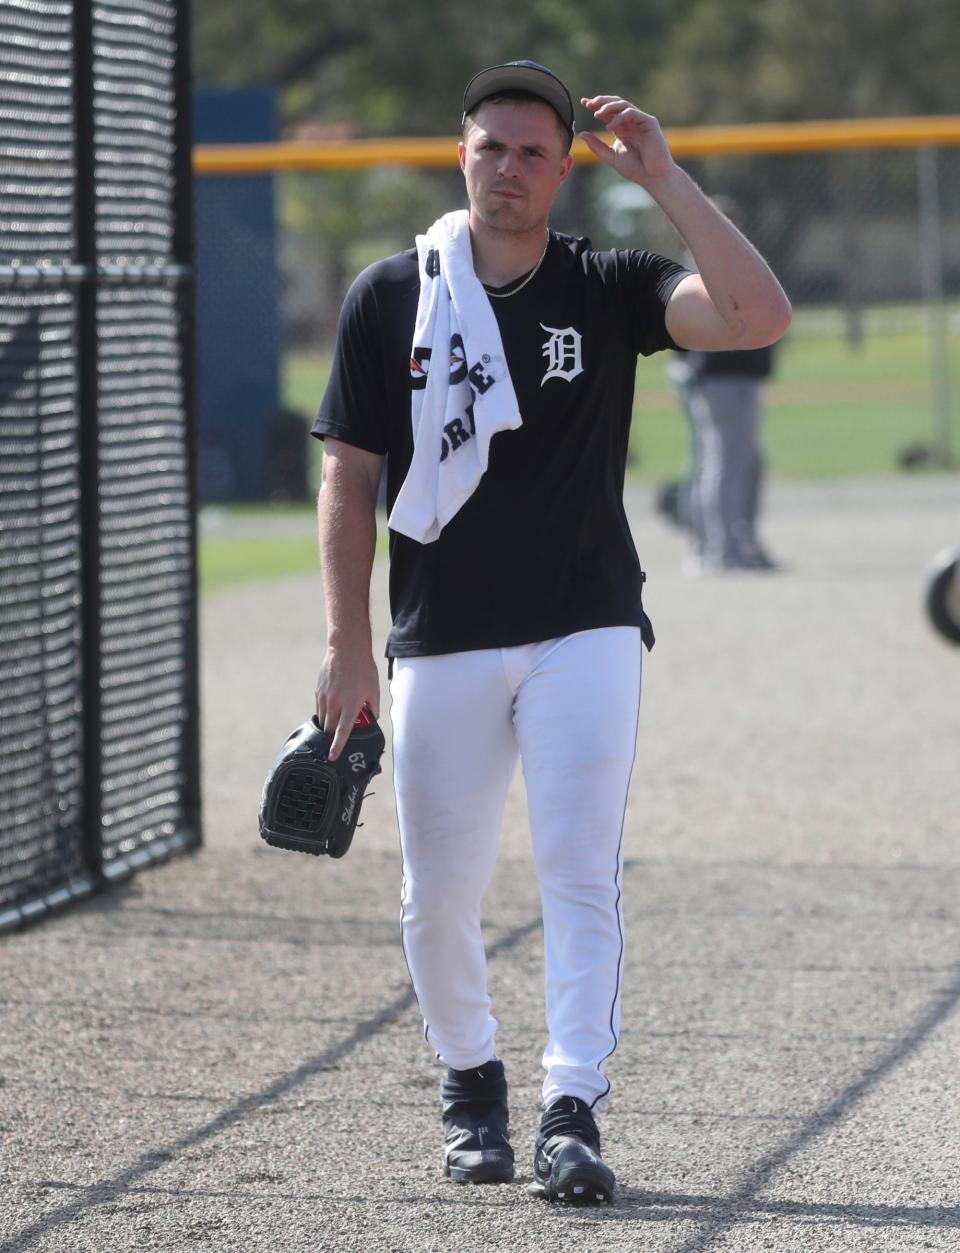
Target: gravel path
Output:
[(224, 1053)]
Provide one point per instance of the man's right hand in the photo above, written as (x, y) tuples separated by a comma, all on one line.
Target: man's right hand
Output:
[(345, 684)]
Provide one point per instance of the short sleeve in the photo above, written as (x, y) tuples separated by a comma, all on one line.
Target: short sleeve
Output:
[(643, 282), (354, 405)]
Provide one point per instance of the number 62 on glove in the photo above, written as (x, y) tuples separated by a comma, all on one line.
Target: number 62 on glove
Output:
[(310, 804)]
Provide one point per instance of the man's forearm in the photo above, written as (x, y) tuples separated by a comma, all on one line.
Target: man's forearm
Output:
[(346, 509), (734, 301), (348, 538), (740, 284)]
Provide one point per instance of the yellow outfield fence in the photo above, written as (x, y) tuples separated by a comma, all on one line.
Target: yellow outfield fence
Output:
[(859, 218), (685, 142)]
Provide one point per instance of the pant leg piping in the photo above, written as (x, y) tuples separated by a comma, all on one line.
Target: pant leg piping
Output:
[(618, 880)]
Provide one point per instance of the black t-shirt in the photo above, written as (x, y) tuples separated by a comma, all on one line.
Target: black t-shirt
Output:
[(542, 548)]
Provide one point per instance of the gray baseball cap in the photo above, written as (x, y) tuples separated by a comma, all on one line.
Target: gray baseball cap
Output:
[(521, 76)]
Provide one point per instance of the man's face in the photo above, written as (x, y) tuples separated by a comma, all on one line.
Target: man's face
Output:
[(514, 162)]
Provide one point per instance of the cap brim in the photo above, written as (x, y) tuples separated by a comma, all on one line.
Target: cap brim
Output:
[(540, 83)]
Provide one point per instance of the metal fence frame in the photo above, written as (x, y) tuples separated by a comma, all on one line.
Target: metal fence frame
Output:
[(90, 276)]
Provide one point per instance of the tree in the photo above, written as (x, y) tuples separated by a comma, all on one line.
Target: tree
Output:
[(391, 71), (776, 60)]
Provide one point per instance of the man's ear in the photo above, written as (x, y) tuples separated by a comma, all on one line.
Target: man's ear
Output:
[(565, 167), (462, 154)]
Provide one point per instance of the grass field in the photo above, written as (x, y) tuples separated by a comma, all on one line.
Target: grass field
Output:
[(254, 543), (832, 411), (229, 559)]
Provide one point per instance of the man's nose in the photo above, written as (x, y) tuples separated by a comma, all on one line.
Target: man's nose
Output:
[(509, 164)]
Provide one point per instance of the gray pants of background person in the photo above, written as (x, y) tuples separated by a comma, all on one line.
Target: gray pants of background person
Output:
[(727, 466)]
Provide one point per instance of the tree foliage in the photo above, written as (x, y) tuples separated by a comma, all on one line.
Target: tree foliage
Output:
[(372, 67), (776, 60), (388, 69)]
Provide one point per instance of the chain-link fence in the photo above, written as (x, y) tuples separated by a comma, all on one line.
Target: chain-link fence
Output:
[(865, 239), (98, 735)]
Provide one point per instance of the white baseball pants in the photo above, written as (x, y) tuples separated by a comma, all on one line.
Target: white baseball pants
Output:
[(569, 708)]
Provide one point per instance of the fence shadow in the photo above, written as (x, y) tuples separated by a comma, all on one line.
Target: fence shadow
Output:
[(109, 1189)]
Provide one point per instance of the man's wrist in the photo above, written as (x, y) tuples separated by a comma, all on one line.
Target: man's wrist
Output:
[(355, 640), (665, 187)]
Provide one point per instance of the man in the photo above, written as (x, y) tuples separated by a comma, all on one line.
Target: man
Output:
[(515, 587), (722, 395)]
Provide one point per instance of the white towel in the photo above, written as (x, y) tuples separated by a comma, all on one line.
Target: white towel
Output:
[(462, 390)]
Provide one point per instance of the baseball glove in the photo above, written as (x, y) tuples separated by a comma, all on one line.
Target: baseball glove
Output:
[(310, 804)]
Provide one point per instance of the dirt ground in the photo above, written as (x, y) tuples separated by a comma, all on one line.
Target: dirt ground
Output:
[(224, 1053)]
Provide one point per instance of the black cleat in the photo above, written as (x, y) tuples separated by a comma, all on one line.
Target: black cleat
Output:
[(476, 1142), (567, 1165)]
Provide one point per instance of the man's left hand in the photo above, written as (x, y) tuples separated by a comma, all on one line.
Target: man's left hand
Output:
[(639, 151)]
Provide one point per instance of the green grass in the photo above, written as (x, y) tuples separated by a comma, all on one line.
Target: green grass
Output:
[(227, 560), (831, 410), (304, 381), (256, 543)]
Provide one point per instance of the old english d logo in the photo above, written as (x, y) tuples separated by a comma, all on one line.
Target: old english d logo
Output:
[(562, 351)]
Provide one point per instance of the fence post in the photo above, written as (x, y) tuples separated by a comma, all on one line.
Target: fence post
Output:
[(87, 393), (183, 250), (931, 269)]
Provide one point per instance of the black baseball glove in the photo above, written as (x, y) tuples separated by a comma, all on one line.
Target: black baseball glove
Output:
[(310, 804)]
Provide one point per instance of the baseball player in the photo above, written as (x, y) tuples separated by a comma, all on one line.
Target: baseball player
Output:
[(493, 366), (721, 393)]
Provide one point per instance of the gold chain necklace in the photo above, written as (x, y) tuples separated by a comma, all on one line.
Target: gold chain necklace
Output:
[(502, 295)]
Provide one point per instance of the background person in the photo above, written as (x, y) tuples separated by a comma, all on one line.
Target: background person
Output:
[(721, 394), (494, 367)]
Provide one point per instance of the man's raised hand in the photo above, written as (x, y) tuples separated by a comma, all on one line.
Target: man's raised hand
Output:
[(639, 151)]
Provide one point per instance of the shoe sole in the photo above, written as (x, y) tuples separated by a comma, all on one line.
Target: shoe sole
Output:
[(577, 1187)]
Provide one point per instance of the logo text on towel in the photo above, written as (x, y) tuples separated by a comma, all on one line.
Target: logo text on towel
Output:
[(457, 431)]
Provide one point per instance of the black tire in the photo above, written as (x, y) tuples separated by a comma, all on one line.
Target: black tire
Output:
[(943, 596)]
